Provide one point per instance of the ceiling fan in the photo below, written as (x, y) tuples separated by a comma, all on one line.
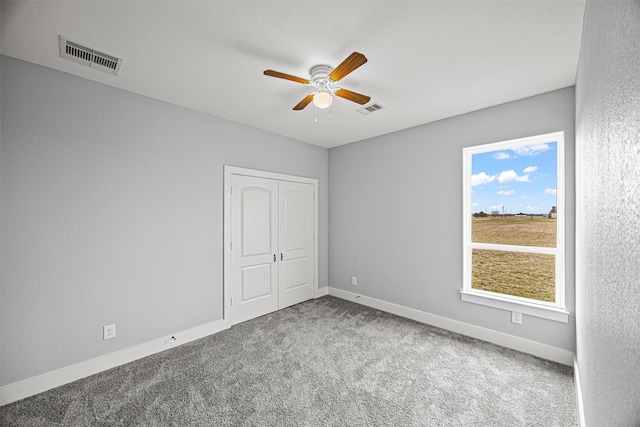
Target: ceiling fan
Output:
[(323, 79)]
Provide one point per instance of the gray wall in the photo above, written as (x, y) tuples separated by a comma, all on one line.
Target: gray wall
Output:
[(112, 213), (608, 213), (395, 209)]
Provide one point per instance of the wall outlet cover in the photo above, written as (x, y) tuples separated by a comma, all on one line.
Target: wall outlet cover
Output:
[(109, 332), (516, 317)]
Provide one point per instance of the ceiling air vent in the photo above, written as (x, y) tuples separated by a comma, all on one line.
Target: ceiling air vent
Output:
[(89, 57), (370, 109)]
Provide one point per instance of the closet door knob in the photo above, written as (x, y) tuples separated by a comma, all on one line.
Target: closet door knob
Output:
[(274, 257), (280, 257)]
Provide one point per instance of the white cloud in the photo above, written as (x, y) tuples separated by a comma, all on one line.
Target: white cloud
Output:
[(524, 196), (531, 150), (511, 175), (481, 178), (530, 169), (550, 191), (506, 192), (474, 204), (502, 155), (495, 207)]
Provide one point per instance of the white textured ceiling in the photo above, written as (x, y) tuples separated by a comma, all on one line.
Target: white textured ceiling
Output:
[(427, 60)]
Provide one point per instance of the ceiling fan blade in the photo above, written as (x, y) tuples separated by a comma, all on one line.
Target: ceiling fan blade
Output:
[(305, 101), (348, 65), (353, 96), (286, 76)]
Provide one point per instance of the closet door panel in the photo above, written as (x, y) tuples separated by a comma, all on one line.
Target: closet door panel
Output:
[(296, 225), (254, 237)]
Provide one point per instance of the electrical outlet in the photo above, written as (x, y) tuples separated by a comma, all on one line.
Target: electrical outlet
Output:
[(109, 331), (354, 281), (516, 317)]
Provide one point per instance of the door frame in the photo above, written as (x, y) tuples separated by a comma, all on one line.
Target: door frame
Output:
[(235, 170)]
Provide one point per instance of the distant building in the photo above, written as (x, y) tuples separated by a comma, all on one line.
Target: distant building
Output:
[(553, 213)]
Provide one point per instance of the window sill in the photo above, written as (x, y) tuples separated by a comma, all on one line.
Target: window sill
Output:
[(550, 313)]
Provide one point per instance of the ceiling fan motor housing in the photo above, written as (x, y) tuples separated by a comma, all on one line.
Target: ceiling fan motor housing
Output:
[(320, 77)]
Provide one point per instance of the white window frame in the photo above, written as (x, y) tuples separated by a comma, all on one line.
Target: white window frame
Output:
[(553, 311)]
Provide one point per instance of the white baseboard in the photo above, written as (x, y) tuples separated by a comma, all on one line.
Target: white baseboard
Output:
[(510, 341), (576, 378), (320, 292), (38, 384)]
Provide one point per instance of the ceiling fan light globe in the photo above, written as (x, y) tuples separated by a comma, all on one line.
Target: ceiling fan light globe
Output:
[(322, 99)]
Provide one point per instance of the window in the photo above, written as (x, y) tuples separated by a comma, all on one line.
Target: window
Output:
[(514, 226)]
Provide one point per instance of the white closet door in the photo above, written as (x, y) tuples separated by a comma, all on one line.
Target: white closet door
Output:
[(254, 254), (296, 257)]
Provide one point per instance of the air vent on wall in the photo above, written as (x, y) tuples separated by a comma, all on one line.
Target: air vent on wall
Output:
[(370, 109), (89, 57)]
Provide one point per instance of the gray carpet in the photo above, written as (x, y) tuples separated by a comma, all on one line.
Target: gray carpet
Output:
[(326, 362)]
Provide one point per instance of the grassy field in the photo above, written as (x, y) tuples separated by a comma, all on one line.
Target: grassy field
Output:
[(515, 273)]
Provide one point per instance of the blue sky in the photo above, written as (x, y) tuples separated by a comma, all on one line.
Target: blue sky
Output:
[(520, 180)]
